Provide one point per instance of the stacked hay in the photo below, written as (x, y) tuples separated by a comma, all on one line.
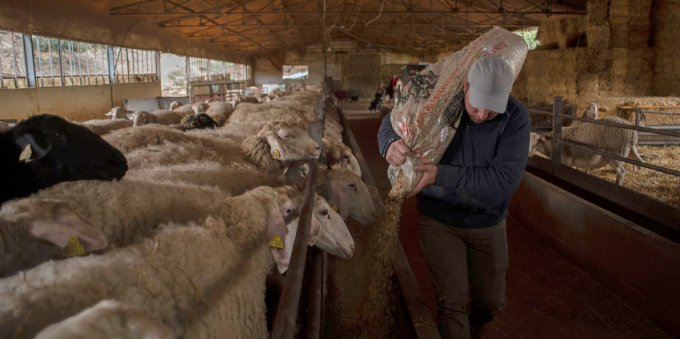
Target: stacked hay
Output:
[(561, 32), (361, 73), (550, 73), (666, 20), (387, 71)]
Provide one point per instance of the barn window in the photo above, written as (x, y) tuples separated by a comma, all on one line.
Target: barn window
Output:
[(135, 65), (12, 61), (69, 63), (198, 69), (295, 72)]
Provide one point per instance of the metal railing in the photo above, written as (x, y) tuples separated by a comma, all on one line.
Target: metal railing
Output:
[(287, 312), (558, 142)]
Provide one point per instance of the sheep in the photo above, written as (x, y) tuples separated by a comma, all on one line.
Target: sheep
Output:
[(337, 153), (209, 173), (109, 319), (45, 150), (220, 111), (341, 187), (161, 117), (128, 211), (614, 140), (33, 231), (185, 110), (274, 145), (105, 126), (234, 131), (128, 140), (118, 112), (329, 231), (5, 126), (198, 121), (241, 99), (212, 272)]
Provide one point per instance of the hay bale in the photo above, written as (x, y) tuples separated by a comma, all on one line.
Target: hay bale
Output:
[(560, 32), (666, 16), (361, 73), (552, 73), (629, 23)]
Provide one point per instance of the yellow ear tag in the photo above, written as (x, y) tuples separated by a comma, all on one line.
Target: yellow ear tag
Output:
[(276, 242), (74, 248), (276, 154), (26, 153), (334, 207)]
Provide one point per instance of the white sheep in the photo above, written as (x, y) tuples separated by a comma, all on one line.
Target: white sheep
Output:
[(5, 126), (274, 145), (162, 117), (335, 152), (128, 211), (33, 231), (219, 111), (118, 112), (109, 319), (106, 126), (341, 187), (128, 140), (614, 140), (213, 273)]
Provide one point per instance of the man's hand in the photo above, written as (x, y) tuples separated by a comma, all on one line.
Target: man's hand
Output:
[(397, 153), (429, 177)]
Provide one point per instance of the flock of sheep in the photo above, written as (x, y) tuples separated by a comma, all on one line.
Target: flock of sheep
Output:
[(609, 139), (183, 243)]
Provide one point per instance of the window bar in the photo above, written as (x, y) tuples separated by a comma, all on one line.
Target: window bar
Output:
[(70, 59), (42, 80), (61, 68), (49, 53), (29, 60), (127, 60), (14, 54), (96, 74), (87, 63), (80, 67), (111, 66)]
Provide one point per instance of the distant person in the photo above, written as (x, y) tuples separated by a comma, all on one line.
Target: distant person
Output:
[(393, 85), (397, 90), (463, 201), (378, 98)]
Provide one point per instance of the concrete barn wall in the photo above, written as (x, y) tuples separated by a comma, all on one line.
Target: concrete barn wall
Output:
[(77, 103)]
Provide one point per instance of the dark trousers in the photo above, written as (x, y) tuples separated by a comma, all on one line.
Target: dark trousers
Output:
[(460, 261)]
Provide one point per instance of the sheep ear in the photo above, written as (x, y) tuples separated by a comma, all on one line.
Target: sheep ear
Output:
[(63, 225), (110, 114), (314, 232), (339, 200), (130, 116), (276, 235), (278, 150), (32, 149)]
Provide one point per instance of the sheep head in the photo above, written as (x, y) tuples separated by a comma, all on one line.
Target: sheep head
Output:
[(200, 107), (337, 153), (142, 118), (541, 144), (39, 230), (289, 143), (198, 121), (175, 104), (117, 113)]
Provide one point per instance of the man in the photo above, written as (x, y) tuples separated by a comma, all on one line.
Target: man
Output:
[(463, 201)]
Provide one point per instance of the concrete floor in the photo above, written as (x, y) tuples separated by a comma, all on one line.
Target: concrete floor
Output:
[(547, 296)]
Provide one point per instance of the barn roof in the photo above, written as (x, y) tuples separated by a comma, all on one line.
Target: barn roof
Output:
[(259, 26)]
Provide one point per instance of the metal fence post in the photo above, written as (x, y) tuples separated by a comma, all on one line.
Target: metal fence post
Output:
[(112, 65), (557, 131), (28, 57)]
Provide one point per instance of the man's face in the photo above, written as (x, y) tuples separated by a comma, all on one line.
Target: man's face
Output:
[(477, 115)]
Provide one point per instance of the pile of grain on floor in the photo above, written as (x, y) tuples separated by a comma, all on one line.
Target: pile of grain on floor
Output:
[(658, 185)]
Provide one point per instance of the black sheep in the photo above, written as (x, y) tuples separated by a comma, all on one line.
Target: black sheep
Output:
[(45, 150), (198, 121)]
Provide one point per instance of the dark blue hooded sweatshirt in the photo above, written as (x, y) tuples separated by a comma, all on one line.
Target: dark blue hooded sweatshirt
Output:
[(480, 170)]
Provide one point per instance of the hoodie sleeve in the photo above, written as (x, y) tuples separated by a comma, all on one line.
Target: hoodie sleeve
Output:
[(386, 135), (503, 177)]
